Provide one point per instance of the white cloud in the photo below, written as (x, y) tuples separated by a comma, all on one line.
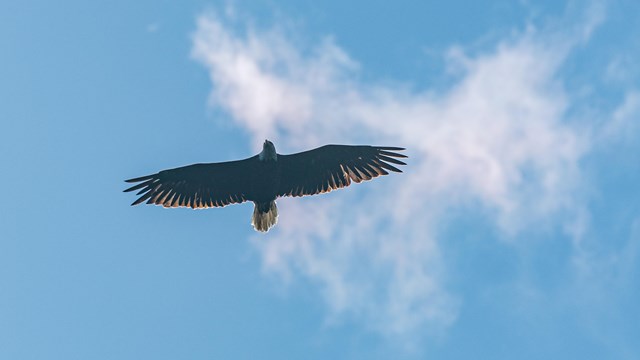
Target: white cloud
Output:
[(496, 140)]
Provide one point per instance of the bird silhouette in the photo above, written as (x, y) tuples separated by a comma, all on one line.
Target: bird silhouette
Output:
[(264, 177)]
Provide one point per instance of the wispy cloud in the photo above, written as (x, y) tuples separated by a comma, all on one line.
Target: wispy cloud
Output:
[(623, 124), (153, 27), (495, 141)]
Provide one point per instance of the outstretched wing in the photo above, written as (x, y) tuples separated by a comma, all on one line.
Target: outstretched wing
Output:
[(334, 166), (197, 186)]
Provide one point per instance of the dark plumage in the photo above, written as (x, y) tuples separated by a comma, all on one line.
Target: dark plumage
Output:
[(264, 177)]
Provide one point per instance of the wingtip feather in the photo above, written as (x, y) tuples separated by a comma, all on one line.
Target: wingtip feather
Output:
[(392, 148), (141, 178), (390, 153), (391, 160), (389, 167), (139, 186)]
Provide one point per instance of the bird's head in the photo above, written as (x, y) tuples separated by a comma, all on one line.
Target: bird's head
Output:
[(268, 151)]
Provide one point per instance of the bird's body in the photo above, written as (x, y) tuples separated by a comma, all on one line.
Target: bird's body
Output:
[(264, 177)]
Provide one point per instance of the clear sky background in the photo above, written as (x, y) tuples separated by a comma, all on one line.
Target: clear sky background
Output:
[(514, 232)]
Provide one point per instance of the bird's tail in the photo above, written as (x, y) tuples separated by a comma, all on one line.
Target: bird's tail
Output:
[(265, 215)]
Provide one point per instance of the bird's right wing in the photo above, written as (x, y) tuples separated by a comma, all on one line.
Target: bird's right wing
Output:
[(334, 166), (197, 186)]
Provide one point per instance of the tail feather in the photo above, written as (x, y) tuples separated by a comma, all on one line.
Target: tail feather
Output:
[(265, 215)]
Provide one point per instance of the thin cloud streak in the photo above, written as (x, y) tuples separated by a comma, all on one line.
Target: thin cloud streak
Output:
[(496, 141)]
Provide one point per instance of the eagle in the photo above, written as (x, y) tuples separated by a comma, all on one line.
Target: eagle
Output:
[(265, 177)]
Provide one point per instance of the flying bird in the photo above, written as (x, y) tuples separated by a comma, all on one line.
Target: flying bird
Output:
[(264, 177)]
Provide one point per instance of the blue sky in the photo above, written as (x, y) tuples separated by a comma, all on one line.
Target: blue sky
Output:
[(513, 233)]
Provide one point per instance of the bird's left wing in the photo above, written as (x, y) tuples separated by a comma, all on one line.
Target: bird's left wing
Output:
[(197, 186), (334, 166)]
